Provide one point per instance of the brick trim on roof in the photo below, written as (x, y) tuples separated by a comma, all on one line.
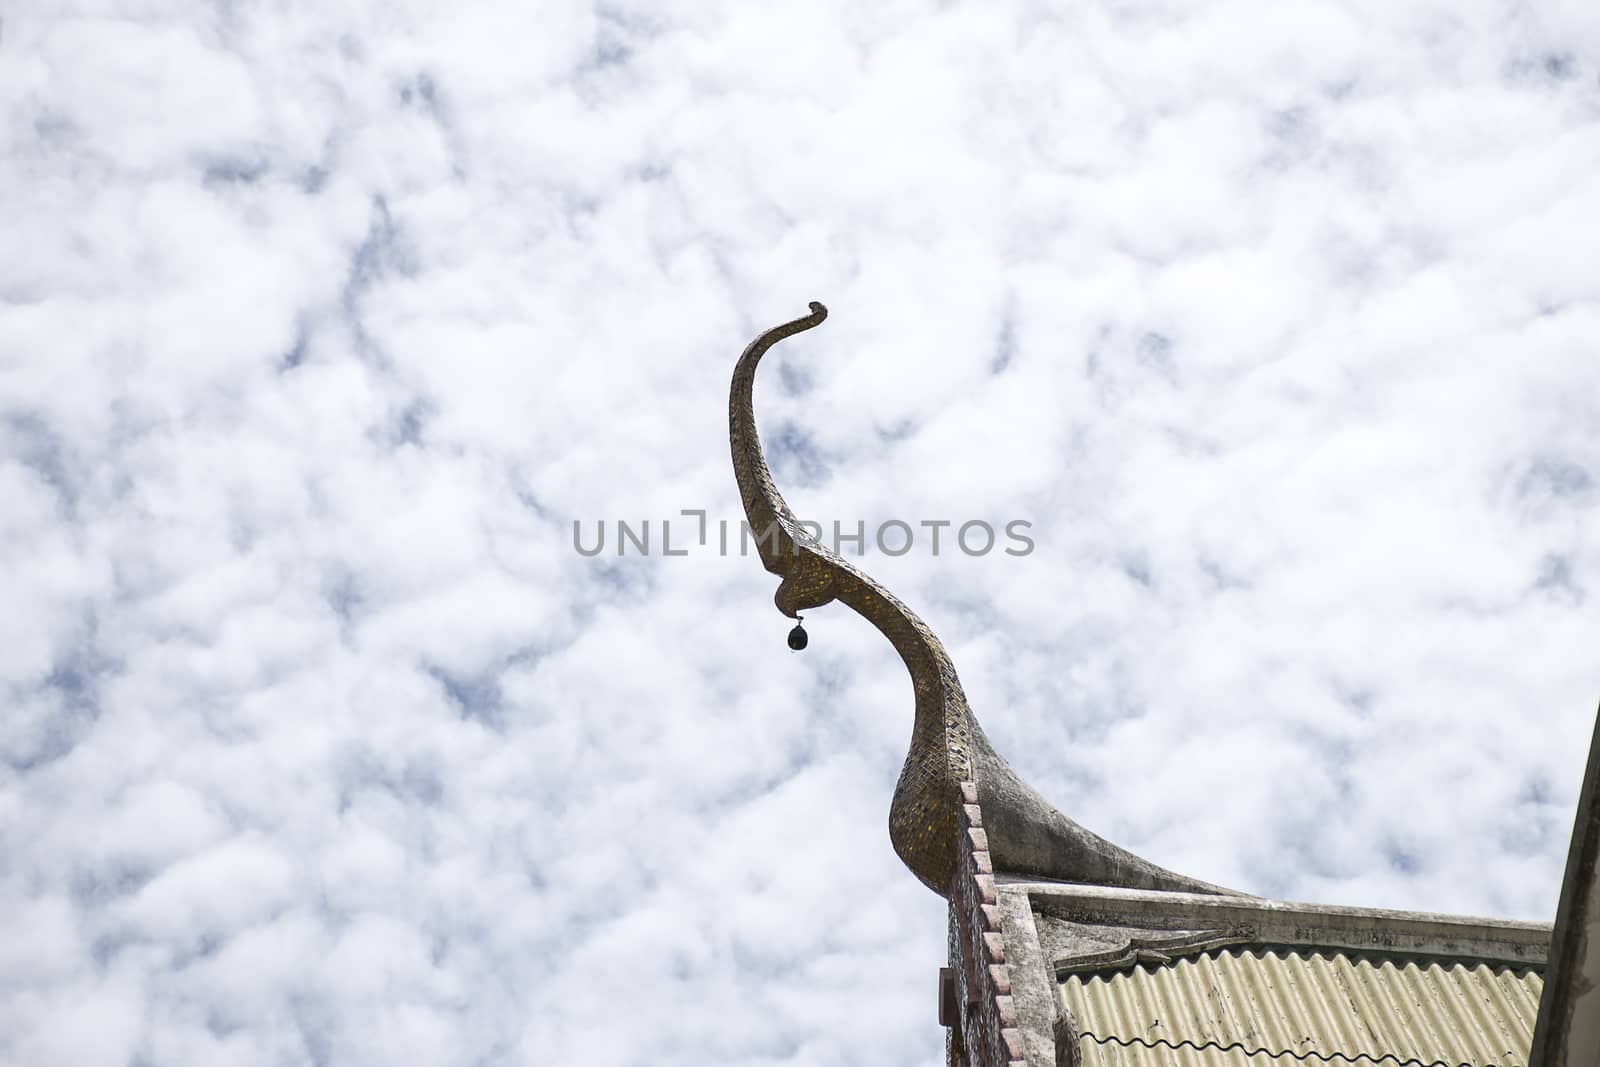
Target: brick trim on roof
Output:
[(986, 1034)]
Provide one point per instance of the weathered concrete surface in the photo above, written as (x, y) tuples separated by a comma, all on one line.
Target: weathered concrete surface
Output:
[(1276, 922), (1568, 1031), (1029, 836), (1032, 989)]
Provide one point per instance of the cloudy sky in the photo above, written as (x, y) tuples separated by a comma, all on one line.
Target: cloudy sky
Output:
[(321, 325)]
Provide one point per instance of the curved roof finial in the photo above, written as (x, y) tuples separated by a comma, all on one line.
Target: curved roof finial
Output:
[(1026, 835)]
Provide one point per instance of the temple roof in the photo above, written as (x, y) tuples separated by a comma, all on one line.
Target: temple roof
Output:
[(1093, 953), (1148, 979)]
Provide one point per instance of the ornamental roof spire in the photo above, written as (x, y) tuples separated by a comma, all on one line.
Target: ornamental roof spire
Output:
[(1026, 835)]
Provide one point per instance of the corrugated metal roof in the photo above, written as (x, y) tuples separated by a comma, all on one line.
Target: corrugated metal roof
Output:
[(1232, 1008)]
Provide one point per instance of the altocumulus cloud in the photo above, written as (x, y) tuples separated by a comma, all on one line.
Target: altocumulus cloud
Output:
[(319, 325)]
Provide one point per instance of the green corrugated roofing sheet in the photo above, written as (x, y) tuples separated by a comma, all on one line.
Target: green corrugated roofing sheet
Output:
[(1231, 1008)]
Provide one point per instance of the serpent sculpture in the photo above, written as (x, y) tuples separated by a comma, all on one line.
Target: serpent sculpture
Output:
[(1027, 837)]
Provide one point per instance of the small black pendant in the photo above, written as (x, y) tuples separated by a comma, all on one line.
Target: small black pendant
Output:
[(797, 636)]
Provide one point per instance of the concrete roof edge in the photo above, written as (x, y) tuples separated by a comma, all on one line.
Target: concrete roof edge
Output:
[(1561, 1036), (1279, 922)]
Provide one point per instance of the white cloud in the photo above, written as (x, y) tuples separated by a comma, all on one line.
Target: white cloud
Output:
[(319, 328)]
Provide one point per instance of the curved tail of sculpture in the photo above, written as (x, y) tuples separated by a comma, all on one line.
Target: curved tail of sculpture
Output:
[(1026, 835)]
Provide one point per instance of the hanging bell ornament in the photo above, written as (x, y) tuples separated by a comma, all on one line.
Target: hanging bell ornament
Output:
[(797, 636)]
